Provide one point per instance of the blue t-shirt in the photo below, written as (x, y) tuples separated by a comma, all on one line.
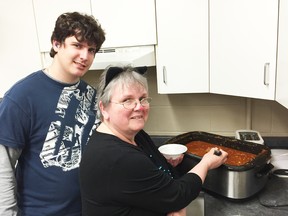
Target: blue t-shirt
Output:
[(51, 122)]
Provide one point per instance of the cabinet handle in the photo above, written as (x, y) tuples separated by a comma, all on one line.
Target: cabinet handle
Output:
[(164, 75), (266, 73)]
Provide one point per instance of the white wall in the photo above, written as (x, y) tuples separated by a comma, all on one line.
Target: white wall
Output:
[(19, 53)]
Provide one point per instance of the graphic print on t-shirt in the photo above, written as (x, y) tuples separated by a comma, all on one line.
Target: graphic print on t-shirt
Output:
[(66, 136)]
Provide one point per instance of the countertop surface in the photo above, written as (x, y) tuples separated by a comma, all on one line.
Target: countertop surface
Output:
[(272, 200)]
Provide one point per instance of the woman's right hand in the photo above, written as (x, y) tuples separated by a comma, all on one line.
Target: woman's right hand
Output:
[(209, 161), (214, 158)]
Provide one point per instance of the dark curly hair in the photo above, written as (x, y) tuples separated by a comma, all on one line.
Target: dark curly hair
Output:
[(84, 27)]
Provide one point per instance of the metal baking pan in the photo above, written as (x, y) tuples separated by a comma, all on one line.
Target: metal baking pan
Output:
[(234, 182), (262, 152)]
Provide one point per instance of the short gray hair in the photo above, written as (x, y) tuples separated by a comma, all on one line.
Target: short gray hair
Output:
[(128, 76)]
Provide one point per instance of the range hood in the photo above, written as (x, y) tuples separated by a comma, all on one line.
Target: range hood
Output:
[(135, 56)]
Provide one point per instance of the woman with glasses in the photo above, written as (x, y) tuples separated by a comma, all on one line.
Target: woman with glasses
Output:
[(122, 172)]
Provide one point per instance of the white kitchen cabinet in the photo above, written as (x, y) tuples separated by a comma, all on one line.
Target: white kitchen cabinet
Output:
[(182, 49), (243, 46), (282, 60), (232, 53), (126, 22), (46, 13), (19, 53)]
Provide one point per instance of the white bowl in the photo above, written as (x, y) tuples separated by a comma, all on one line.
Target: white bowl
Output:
[(172, 150)]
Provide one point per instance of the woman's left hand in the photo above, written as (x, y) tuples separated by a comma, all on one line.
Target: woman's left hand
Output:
[(176, 161)]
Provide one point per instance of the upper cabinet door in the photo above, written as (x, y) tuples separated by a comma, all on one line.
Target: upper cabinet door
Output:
[(46, 13), (19, 55), (243, 46), (182, 49), (282, 61), (126, 22)]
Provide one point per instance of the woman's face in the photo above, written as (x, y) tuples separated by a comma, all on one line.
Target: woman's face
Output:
[(127, 122)]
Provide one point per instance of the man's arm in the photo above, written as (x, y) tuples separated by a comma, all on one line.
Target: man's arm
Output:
[(8, 159)]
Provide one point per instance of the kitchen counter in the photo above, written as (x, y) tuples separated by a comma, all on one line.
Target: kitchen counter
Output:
[(272, 200)]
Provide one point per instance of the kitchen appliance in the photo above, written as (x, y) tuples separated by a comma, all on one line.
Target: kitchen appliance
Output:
[(249, 136), (235, 182), (136, 56)]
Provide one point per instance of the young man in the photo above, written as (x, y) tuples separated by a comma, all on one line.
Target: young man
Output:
[(46, 119)]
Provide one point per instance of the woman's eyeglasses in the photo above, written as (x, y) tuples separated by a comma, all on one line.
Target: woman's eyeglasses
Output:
[(132, 103)]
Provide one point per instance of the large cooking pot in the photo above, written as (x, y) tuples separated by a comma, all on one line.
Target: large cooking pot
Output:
[(235, 182)]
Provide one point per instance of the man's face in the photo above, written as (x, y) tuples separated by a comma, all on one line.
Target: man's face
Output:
[(74, 57)]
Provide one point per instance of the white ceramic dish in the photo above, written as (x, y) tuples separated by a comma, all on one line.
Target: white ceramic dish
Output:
[(172, 150)]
